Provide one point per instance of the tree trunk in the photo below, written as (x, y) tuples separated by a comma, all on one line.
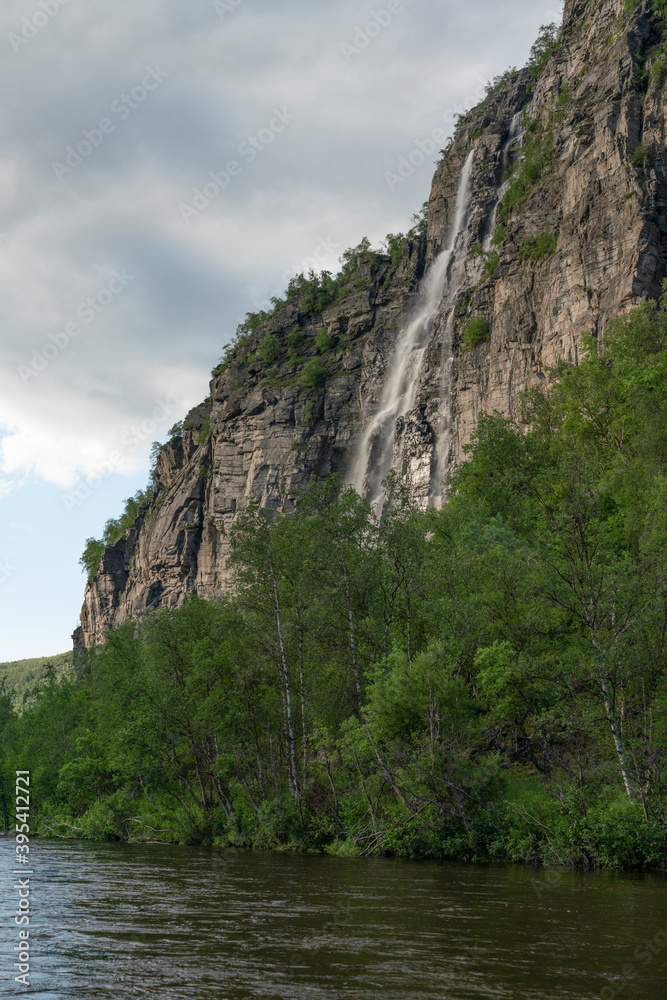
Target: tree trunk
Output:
[(294, 777), (616, 736), (304, 724), (350, 615)]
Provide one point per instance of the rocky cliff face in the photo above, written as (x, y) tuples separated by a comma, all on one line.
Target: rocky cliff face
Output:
[(581, 236)]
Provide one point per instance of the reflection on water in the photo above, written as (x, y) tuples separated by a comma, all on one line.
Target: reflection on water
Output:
[(116, 921)]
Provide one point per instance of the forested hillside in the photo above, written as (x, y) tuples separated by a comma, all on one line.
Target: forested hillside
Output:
[(23, 675), (486, 682)]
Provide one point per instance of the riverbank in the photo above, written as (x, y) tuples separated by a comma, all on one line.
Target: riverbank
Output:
[(620, 842)]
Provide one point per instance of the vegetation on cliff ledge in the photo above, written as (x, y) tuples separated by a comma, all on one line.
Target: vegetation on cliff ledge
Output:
[(318, 290), (485, 682)]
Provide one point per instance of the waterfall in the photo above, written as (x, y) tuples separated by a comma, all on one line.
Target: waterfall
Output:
[(442, 419), (376, 450), (515, 134)]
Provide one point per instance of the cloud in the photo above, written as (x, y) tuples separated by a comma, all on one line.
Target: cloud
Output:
[(224, 73)]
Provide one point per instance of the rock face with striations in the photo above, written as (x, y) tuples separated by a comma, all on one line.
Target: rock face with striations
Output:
[(580, 239)]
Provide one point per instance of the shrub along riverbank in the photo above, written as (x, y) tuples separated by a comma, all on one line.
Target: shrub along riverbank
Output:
[(488, 682)]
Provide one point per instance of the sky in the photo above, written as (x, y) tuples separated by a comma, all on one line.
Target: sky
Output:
[(165, 167)]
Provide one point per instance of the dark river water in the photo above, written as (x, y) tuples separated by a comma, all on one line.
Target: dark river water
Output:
[(115, 921)]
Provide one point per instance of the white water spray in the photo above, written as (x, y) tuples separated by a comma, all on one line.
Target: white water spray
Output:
[(441, 420), (515, 135), (375, 452)]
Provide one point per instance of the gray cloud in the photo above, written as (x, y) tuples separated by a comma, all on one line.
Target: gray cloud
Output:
[(319, 179)]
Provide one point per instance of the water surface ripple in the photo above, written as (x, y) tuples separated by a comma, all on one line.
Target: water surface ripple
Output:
[(119, 921)]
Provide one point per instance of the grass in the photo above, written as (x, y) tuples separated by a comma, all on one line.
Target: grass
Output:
[(541, 248), (538, 154), (477, 331)]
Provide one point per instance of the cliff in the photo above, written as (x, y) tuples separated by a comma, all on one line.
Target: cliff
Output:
[(393, 367)]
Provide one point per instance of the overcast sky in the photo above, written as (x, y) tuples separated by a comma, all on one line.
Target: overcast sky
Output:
[(119, 284)]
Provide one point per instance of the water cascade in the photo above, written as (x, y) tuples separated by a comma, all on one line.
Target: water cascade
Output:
[(441, 420), (380, 448), (515, 135)]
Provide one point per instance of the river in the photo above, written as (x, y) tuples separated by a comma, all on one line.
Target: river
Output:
[(116, 921)]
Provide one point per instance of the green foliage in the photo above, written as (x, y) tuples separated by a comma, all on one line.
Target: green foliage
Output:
[(642, 157), (564, 98), (323, 341), (316, 291), (205, 431), (659, 8), (501, 82), (659, 69), (491, 262), (23, 676), (309, 413), (114, 530), (154, 458), (395, 244), (294, 341), (313, 374), (538, 152), (490, 258), (477, 331), (541, 248), (177, 430), (498, 237), (485, 682), (548, 42), (91, 556), (269, 348)]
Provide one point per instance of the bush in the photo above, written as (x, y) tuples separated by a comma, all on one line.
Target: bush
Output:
[(114, 530), (541, 248), (92, 556), (538, 152), (202, 437), (491, 263), (314, 374), (564, 98), (641, 157), (395, 243), (547, 43), (659, 69), (501, 82), (293, 341), (309, 415), (477, 331), (269, 348), (323, 342)]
